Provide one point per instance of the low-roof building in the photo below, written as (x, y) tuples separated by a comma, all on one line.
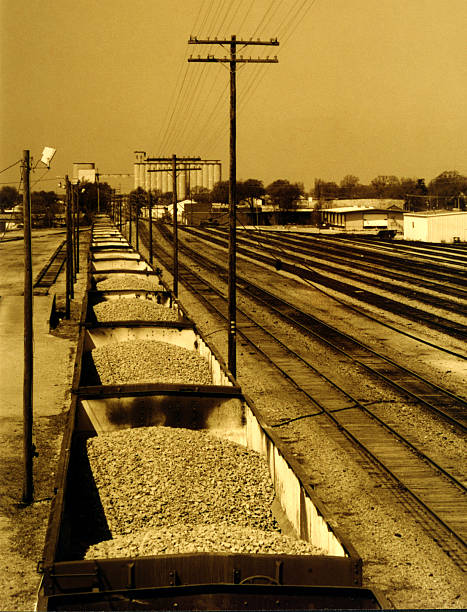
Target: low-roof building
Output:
[(436, 226), (358, 218)]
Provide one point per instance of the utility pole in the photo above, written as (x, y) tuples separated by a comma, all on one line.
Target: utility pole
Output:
[(73, 234), (129, 225), (175, 224), (181, 161), (69, 251), (137, 225), (98, 194), (77, 227), (150, 225), (28, 448), (233, 60)]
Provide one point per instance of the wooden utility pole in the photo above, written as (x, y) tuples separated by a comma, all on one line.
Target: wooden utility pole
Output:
[(77, 228), (150, 225), (233, 60), (137, 225), (175, 224), (28, 448), (129, 212), (180, 161), (69, 251), (73, 235)]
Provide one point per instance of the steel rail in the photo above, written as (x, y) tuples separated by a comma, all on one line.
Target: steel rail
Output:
[(447, 326), (369, 253), (49, 273), (205, 292), (316, 263), (375, 263), (308, 323), (434, 251), (363, 313)]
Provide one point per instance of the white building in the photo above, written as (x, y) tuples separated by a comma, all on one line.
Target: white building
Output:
[(436, 226)]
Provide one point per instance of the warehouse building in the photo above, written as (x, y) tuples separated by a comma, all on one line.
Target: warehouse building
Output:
[(358, 218), (436, 226)]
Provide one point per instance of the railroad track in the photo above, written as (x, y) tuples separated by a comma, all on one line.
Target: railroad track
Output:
[(432, 489), (49, 273), (456, 254), (452, 283), (275, 258), (440, 401), (440, 282)]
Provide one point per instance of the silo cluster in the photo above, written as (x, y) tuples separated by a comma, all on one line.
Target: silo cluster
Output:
[(152, 175)]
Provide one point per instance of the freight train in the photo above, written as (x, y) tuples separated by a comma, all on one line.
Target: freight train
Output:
[(172, 492)]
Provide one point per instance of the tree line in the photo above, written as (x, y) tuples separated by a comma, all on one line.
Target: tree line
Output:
[(449, 184), (449, 187), (48, 208)]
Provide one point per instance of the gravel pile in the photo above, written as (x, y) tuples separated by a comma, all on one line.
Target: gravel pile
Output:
[(217, 538), (127, 281), (137, 361), (163, 476), (133, 309), (167, 490)]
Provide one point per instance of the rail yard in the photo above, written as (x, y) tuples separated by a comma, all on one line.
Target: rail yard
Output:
[(353, 390), (233, 306), (400, 372)]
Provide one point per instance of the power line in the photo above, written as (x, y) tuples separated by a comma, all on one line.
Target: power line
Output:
[(12, 165)]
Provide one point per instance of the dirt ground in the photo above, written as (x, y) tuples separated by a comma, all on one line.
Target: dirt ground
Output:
[(23, 528)]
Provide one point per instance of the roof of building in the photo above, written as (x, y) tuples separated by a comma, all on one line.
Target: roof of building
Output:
[(351, 209), (435, 213)]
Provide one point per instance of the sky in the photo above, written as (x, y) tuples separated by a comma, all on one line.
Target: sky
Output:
[(362, 87)]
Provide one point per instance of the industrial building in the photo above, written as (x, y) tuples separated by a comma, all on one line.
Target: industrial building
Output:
[(358, 218), (436, 226), (151, 175)]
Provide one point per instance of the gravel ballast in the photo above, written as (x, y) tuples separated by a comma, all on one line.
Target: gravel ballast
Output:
[(133, 309), (127, 281), (138, 361), (167, 491)]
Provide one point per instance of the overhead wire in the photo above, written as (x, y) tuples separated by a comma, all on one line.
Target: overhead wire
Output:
[(266, 18), (197, 97), (201, 95), (11, 166), (178, 89), (189, 99), (287, 33)]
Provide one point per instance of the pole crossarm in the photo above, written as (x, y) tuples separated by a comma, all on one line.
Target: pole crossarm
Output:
[(180, 160), (212, 41), (227, 60), (181, 169), (233, 60)]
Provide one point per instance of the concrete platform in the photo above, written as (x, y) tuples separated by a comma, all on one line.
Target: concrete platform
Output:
[(51, 358)]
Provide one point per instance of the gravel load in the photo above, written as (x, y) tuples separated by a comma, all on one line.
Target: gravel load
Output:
[(171, 490), (136, 361), (161, 476), (218, 538), (133, 309), (128, 281)]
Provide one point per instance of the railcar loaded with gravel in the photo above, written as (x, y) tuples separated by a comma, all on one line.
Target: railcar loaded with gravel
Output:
[(171, 491)]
